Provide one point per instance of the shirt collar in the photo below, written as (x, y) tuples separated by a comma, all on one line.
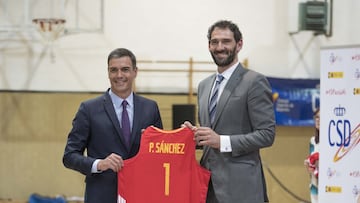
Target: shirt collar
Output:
[(117, 101), (228, 72)]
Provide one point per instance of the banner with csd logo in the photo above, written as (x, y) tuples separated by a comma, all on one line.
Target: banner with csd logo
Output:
[(339, 168)]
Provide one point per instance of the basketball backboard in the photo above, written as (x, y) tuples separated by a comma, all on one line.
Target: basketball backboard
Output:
[(16, 16)]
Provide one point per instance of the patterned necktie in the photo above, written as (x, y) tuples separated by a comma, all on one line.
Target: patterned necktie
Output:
[(213, 99), (125, 123)]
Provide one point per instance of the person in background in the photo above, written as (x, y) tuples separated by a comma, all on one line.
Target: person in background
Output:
[(235, 123), (109, 129), (312, 161)]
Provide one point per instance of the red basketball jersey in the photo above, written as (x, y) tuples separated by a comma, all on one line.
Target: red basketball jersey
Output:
[(164, 170)]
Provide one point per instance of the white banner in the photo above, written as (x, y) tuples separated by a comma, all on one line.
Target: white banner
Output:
[(339, 162)]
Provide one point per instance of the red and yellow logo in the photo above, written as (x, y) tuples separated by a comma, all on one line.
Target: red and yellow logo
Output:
[(333, 189), (356, 91), (335, 74)]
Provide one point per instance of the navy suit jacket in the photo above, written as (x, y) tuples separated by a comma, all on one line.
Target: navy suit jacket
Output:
[(96, 129)]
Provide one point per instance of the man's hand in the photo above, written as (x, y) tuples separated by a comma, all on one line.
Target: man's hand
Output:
[(188, 125), (113, 162), (204, 136)]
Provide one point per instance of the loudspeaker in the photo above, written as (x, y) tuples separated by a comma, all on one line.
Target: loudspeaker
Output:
[(313, 16), (181, 113)]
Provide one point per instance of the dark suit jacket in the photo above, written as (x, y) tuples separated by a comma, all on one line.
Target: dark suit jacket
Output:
[(245, 113), (96, 129)]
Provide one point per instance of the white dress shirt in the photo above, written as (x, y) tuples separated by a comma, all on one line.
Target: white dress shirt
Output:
[(225, 143)]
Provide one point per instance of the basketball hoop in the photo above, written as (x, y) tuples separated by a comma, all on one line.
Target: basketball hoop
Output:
[(50, 30)]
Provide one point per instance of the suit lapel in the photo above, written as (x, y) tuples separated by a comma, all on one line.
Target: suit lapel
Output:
[(207, 91), (138, 111), (109, 108), (228, 89)]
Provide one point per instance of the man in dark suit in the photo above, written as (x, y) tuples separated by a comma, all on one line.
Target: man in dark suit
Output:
[(242, 121), (98, 129)]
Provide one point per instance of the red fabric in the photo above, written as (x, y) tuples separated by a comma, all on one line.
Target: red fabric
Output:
[(312, 159), (164, 154)]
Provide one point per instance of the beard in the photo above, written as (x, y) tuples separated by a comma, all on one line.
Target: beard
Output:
[(224, 61)]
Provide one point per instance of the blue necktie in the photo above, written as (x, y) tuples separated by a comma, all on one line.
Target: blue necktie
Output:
[(125, 123), (213, 99)]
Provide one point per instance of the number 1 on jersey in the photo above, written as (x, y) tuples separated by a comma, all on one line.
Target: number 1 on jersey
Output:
[(167, 178)]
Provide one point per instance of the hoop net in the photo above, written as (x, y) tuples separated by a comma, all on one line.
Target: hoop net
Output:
[(50, 28)]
